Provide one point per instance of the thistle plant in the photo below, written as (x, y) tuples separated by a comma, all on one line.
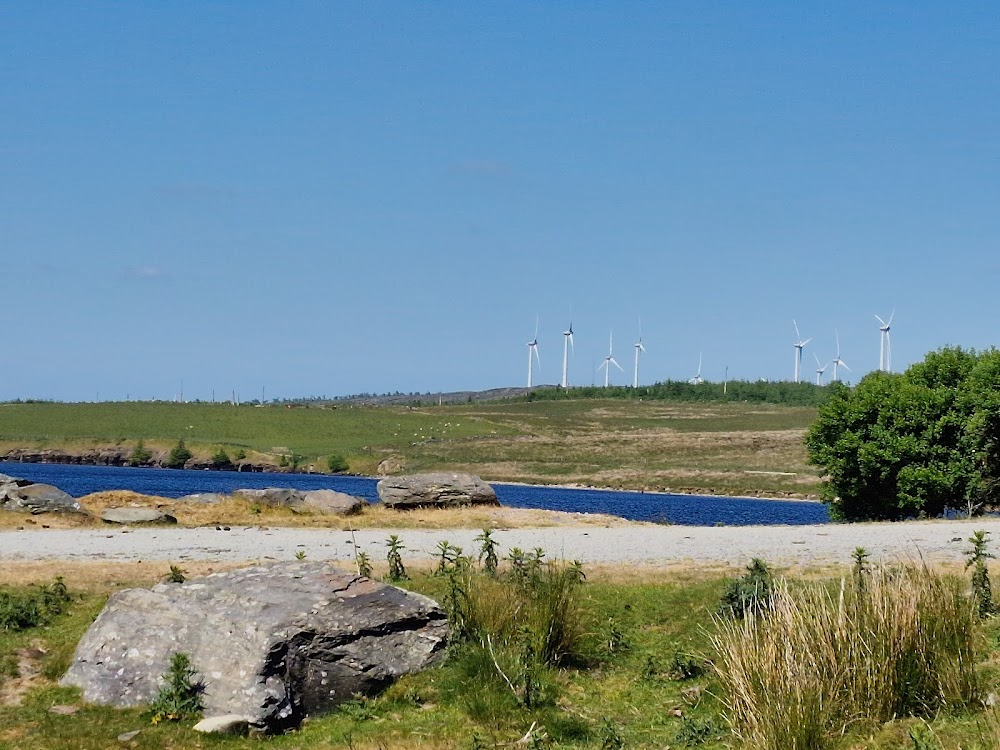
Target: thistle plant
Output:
[(396, 570), (976, 558), (488, 552)]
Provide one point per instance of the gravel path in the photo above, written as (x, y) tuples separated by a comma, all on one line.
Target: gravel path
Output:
[(942, 541)]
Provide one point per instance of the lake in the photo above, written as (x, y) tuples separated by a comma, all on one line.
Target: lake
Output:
[(692, 510)]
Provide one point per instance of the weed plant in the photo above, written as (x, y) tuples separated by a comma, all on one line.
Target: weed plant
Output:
[(20, 611), (800, 669), (751, 592), (976, 559), (397, 571), (180, 697)]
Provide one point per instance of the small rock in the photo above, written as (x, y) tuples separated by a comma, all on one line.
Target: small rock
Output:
[(64, 710), (225, 724)]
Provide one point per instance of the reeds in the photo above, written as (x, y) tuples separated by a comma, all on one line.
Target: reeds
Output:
[(800, 669)]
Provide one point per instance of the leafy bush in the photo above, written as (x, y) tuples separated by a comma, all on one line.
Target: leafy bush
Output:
[(180, 697), (913, 444), (140, 455), (178, 456), (797, 671), (750, 592), (337, 464)]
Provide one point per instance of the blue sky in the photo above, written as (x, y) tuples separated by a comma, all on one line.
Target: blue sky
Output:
[(329, 198)]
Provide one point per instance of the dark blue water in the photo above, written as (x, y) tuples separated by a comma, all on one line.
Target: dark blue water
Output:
[(692, 510)]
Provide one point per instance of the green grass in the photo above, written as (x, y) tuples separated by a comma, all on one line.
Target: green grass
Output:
[(725, 448), (641, 687)]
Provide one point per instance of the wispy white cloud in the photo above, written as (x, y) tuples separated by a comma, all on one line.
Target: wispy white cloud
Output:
[(144, 272)]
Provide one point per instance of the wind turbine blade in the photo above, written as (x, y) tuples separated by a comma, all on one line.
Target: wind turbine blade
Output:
[(837, 334), (891, 316), (806, 341), (844, 365), (798, 336), (612, 361), (880, 320), (536, 329), (641, 347), (537, 358), (572, 346), (816, 356)]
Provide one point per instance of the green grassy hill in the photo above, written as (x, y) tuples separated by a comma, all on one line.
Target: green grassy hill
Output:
[(726, 448)]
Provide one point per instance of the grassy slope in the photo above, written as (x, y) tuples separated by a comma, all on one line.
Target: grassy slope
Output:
[(632, 691), (721, 448)]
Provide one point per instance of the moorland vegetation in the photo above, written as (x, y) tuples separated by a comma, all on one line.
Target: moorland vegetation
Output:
[(548, 654)]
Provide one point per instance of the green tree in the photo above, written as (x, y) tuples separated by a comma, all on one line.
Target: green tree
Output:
[(178, 456), (915, 443), (140, 455), (221, 460)]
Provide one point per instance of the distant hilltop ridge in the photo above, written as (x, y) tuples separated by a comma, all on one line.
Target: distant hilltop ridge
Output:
[(455, 397)]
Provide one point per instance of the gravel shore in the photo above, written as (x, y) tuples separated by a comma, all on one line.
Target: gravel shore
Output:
[(938, 541)]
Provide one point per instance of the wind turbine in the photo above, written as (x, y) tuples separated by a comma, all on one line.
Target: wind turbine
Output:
[(638, 348), (885, 345), (799, 344), (838, 362), (820, 369), (609, 360), (567, 343), (533, 351), (697, 379)]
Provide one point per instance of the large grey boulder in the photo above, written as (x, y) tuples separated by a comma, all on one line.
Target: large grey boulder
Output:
[(336, 503), (273, 496), (439, 490), (272, 643), (30, 497)]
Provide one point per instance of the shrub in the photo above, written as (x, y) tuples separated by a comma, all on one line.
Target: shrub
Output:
[(180, 697), (140, 455), (750, 592), (178, 456), (336, 463), (176, 575), (797, 671)]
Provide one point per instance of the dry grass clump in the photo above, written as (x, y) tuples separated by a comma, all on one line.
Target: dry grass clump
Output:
[(238, 511), (800, 669)]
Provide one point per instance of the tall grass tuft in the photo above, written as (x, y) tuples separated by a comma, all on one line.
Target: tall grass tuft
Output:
[(796, 671), (510, 631)]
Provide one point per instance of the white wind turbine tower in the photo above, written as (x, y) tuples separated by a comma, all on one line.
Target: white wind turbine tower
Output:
[(799, 345), (638, 348), (533, 352), (885, 345), (609, 360), (838, 362), (697, 379), (567, 343), (820, 369)]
